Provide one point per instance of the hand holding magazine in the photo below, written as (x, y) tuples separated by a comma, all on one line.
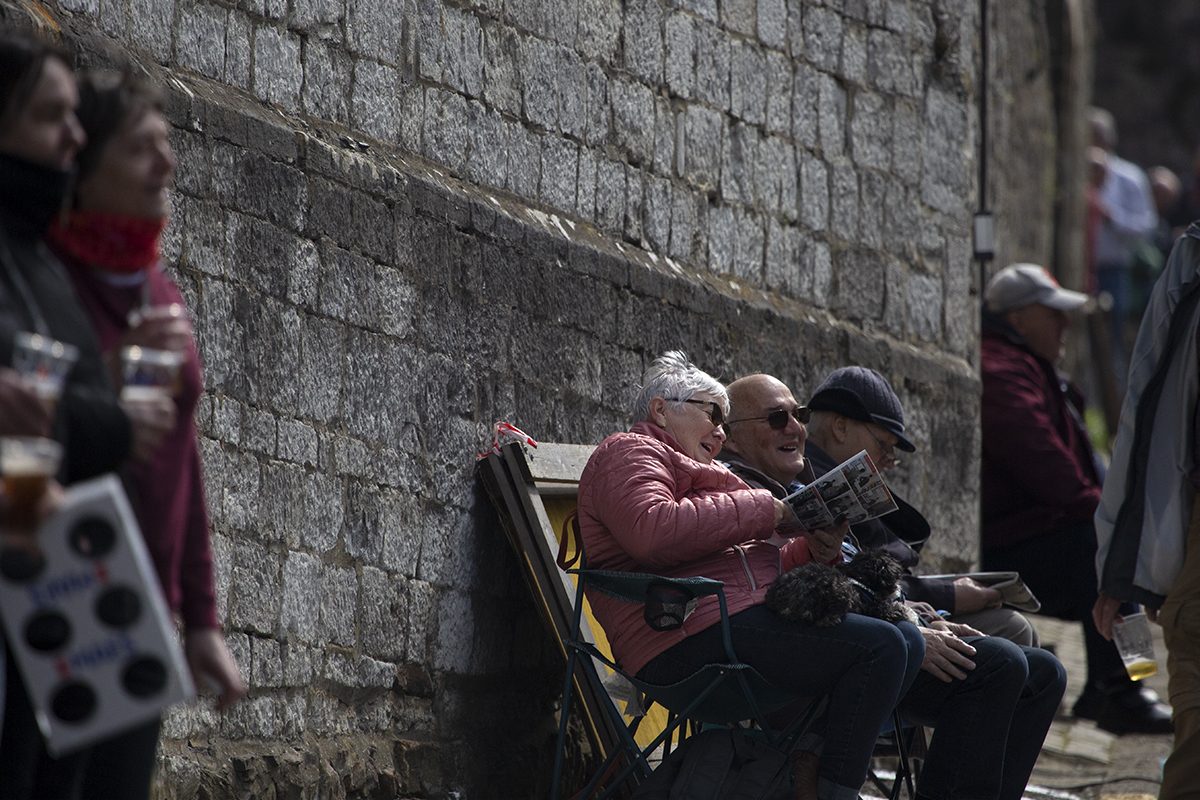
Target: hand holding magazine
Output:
[(852, 492)]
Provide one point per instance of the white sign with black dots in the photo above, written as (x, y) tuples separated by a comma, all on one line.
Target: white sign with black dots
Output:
[(87, 622)]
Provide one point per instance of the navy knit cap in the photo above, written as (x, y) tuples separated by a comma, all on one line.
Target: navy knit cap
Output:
[(865, 395)]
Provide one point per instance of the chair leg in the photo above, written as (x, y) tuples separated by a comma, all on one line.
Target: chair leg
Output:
[(904, 768), (560, 754)]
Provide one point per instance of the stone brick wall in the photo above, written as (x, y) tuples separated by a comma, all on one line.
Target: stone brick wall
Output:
[(398, 222)]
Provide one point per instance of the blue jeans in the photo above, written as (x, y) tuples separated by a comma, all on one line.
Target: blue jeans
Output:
[(864, 665), (988, 728)]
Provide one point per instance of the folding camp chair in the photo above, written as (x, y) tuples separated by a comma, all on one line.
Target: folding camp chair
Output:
[(726, 693)]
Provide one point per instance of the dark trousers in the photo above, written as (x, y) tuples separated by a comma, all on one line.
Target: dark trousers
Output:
[(27, 772), (1060, 568), (989, 728), (122, 767), (864, 665)]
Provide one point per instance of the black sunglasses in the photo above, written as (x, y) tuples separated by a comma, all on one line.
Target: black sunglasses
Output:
[(778, 420), (715, 414)]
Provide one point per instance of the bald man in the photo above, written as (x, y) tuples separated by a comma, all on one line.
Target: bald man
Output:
[(765, 446)]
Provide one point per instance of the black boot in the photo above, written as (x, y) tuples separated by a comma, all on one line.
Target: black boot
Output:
[(1130, 707)]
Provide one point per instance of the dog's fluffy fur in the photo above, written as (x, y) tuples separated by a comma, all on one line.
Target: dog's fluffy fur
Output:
[(820, 595)]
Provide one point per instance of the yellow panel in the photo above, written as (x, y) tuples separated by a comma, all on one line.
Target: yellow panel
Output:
[(557, 509)]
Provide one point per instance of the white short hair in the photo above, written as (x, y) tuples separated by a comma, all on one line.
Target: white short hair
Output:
[(674, 378)]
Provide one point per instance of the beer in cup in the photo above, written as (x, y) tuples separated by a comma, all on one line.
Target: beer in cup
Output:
[(26, 465), (150, 373), (1136, 646), (44, 364)]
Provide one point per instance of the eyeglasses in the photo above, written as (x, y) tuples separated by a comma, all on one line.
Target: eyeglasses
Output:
[(888, 450), (778, 420), (715, 413)]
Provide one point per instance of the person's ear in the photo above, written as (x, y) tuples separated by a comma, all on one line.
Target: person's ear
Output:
[(839, 428), (658, 411)]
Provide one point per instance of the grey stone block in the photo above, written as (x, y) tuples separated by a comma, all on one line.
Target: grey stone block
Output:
[(860, 273), (239, 498), (204, 241), (318, 17), (777, 172), (445, 134), (945, 160), (854, 53), (278, 74), (925, 307), (560, 164), (686, 226), (814, 192), (633, 119), (871, 131), (262, 255), (722, 239), (339, 590), (779, 93), (372, 100), (327, 74), (464, 52), (271, 357), (598, 109), (664, 138), (679, 34), (266, 663), (712, 65), (961, 309), (255, 604), (374, 29), (823, 38), (259, 434), (539, 81), (301, 663), (783, 265), (501, 77), (599, 29), (831, 120), (739, 15), (821, 268), (806, 96), (751, 246), (151, 26), (572, 94), (658, 214), (704, 130), (261, 187), (748, 83), (703, 8), (383, 615), (585, 194), (643, 34), (873, 231), (297, 442), (738, 167), (322, 345), (200, 43), (906, 142), (772, 23), (844, 201), (453, 649), (610, 194)]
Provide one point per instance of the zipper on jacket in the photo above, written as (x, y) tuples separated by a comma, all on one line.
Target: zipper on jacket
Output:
[(746, 566)]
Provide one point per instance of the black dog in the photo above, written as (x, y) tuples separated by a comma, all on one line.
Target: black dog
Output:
[(820, 595)]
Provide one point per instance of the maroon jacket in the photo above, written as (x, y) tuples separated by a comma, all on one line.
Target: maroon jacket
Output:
[(1038, 471), (170, 502)]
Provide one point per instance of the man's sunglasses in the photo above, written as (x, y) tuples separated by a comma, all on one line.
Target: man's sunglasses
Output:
[(715, 413), (778, 420)]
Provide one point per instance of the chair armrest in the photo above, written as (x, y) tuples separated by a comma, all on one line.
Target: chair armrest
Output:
[(631, 587)]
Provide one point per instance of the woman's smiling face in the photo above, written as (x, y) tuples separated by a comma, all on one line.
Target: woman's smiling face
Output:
[(692, 425)]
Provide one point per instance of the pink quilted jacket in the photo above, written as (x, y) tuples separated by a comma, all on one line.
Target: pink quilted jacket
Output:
[(646, 506)]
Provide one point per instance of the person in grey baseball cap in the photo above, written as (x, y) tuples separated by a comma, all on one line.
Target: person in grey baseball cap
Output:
[(1040, 485)]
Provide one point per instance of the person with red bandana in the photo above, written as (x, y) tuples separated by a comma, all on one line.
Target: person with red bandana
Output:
[(110, 246)]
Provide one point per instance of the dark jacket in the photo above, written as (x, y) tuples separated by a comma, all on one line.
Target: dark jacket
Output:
[(1038, 473), (901, 534), (36, 296)]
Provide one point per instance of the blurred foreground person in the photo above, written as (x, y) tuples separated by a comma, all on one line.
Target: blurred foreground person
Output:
[(110, 246)]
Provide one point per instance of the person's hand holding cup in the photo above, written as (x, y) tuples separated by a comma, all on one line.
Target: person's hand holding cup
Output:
[(150, 379), (165, 327), (43, 363)]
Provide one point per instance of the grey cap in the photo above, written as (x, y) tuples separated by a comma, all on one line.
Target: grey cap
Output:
[(1020, 285), (865, 395)]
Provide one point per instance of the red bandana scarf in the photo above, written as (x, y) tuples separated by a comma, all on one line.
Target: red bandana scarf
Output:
[(113, 242)]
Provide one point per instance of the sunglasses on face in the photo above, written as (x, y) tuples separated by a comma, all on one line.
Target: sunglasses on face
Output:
[(778, 420), (715, 412)]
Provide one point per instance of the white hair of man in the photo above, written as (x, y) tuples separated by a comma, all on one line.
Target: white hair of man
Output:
[(675, 379)]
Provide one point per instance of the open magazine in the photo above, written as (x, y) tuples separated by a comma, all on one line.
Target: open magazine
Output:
[(853, 491), (1012, 589)]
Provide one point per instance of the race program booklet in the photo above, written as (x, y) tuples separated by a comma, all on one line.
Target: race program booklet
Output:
[(853, 491)]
